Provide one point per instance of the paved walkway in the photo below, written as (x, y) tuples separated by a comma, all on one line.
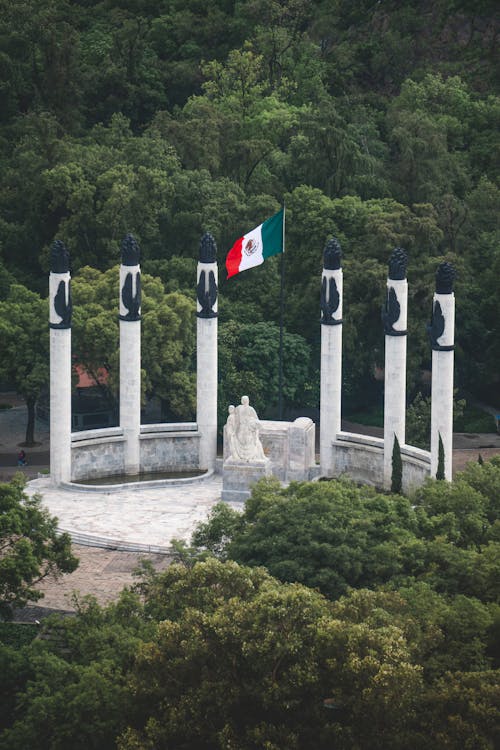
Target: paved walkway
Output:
[(102, 573), (133, 519)]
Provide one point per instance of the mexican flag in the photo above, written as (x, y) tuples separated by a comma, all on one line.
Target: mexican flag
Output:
[(254, 247)]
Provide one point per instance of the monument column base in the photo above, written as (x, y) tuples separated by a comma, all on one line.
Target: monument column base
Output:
[(239, 476)]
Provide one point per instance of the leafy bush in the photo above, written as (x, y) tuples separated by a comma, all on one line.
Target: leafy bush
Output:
[(335, 535), (17, 634)]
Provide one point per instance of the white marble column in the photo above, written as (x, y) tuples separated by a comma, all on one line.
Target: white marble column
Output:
[(60, 364), (130, 353), (206, 352), (442, 336), (331, 354), (395, 321)]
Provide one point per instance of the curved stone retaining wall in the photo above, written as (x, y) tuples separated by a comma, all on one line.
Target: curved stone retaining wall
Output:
[(362, 458), (163, 447), (175, 447), (170, 447)]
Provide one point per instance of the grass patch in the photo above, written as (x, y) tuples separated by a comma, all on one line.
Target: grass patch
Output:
[(16, 634), (4, 407)]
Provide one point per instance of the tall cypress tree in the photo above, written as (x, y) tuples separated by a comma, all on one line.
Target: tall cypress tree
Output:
[(440, 466), (397, 468)]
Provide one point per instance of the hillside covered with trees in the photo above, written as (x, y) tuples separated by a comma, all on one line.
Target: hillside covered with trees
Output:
[(376, 122)]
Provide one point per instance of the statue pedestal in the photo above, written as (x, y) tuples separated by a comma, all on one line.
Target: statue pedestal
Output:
[(238, 477)]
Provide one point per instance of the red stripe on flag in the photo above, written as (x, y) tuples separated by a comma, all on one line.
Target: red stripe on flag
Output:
[(233, 259)]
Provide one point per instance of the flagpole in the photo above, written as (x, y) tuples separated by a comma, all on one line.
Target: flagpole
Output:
[(282, 311)]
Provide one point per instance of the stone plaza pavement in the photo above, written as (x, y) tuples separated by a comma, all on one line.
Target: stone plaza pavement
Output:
[(130, 518)]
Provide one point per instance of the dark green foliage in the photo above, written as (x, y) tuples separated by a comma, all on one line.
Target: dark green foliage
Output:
[(418, 419), (15, 670), (328, 535), (474, 420), (171, 119), (220, 652), (248, 357), (334, 535), (25, 347), (30, 547), (418, 422), (397, 468), (211, 652), (17, 635), (484, 479), (440, 466)]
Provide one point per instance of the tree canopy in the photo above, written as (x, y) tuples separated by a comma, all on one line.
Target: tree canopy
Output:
[(378, 628), (336, 535), (24, 334), (30, 548), (374, 122), (167, 344), (219, 653)]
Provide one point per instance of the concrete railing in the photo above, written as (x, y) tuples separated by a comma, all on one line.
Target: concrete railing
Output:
[(163, 427), (90, 540)]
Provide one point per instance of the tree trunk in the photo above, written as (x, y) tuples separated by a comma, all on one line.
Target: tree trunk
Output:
[(164, 409), (30, 428)]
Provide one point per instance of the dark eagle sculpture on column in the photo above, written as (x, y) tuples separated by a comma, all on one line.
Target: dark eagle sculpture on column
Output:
[(391, 312), (329, 303), (207, 297), (130, 253), (445, 276), (63, 308), (436, 327), (398, 263), (59, 263), (130, 300)]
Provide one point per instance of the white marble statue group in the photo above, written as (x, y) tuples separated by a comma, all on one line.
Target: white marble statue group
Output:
[(242, 431)]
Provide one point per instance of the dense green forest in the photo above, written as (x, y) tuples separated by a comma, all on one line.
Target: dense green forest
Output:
[(376, 122), (324, 616)]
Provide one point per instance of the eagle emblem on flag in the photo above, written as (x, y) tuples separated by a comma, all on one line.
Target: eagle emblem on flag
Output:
[(251, 246)]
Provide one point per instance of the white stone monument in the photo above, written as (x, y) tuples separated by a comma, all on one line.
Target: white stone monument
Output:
[(331, 353), (245, 461), (206, 352), (130, 353), (60, 364), (395, 317), (442, 336)]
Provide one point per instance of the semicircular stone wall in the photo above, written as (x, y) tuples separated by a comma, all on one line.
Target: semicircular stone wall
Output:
[(175, 447), (162, 447)]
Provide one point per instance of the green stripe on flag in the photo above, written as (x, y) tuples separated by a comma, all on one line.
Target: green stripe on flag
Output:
[(272, 235)]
